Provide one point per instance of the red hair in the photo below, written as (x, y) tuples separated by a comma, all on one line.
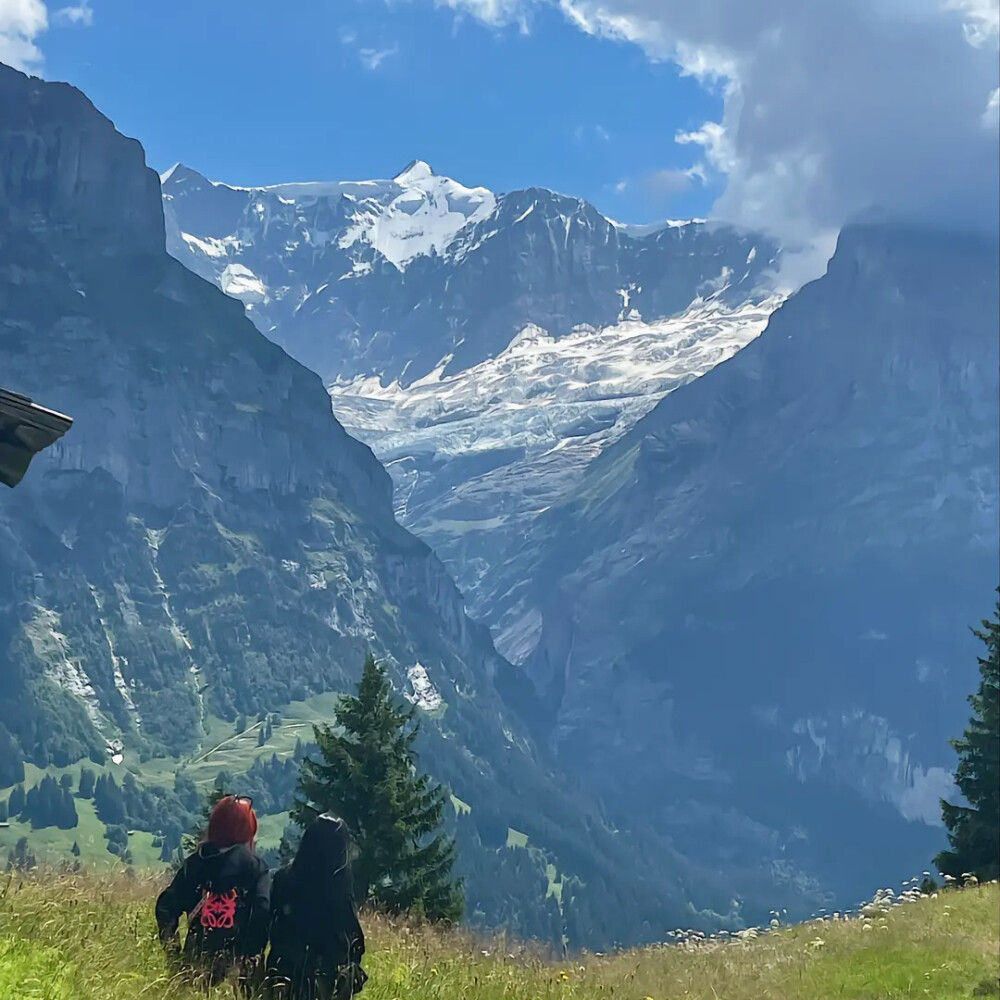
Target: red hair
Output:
[(233, 821)]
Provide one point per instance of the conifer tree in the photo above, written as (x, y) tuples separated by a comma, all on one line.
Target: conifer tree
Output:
[(11, 759), (87, 781), (974, 830), (366, 773), (15, 803)]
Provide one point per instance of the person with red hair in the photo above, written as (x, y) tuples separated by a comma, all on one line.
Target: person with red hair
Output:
[(224, 889)]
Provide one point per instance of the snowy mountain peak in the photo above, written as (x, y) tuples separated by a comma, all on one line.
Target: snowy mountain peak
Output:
[(418, 216), (415, 172), (180, 174)]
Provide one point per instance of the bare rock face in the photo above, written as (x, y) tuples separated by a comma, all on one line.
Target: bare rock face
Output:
[(66, 174)]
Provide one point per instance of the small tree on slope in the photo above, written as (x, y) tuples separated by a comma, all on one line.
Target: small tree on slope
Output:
[(367, 775), (974, 830)]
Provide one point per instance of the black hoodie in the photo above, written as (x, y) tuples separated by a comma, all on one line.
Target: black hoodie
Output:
[(314, 924), (218, 870)]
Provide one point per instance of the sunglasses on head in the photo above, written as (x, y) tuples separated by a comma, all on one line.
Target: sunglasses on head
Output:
[(244, 798)]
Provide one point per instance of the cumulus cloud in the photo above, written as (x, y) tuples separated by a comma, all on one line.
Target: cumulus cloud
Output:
[(829, 108), (21, 22)]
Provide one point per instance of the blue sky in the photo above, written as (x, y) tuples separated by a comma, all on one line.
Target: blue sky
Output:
[(253, 92), (796, 115)]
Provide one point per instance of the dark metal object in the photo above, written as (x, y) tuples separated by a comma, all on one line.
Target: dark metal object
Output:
[(25, 429)]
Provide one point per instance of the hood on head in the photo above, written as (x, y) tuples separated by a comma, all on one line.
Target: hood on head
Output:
[(324, 846)]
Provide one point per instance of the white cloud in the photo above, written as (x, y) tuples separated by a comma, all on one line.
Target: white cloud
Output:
[(982, 19), (371, 59), (81, 13), (495, 12), (21, 22), (829, 107)]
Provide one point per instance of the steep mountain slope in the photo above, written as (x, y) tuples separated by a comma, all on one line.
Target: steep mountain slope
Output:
[(758, 603), (487, 347), (208, 543)]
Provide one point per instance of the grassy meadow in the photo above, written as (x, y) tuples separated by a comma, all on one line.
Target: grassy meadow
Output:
[(91, 937)]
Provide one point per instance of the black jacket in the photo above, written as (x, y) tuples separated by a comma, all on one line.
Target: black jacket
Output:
[(314, 927), (219, 870)]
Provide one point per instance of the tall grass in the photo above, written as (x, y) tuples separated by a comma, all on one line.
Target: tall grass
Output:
[(92, 937)]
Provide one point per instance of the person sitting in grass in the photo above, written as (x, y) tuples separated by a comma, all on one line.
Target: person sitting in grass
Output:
[(316, 939), (224, 889)]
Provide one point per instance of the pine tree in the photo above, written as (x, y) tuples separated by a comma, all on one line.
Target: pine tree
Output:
[(11, 759), (87, 781), (108, 800), (974, 830), (15, 803), (368, 776)]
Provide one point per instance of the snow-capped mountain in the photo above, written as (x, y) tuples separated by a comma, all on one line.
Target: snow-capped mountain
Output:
[(415, 214), (486, 346)]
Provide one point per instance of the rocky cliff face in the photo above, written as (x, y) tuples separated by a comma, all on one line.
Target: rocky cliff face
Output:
[(86, 185), (209, 542), (486, 346), (758, 603)]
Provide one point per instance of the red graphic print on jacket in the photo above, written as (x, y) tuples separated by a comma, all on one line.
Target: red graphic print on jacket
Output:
[(218, 910)]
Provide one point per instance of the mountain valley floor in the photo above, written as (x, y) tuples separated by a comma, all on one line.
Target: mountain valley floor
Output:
[(91, 936)]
